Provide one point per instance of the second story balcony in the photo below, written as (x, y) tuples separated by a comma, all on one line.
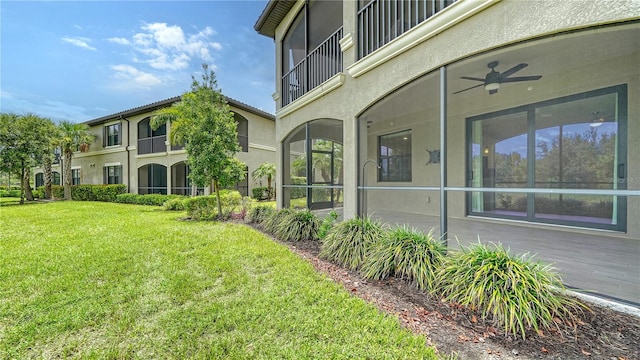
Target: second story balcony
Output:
[(381, 21), (319, 65)]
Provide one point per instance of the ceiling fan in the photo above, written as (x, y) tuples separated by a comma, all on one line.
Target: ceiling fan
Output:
[(493, 79)]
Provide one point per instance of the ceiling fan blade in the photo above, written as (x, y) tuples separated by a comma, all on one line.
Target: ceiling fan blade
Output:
[(473, 87), (522, 78), (513, 70), (491, 92), (471, 78)]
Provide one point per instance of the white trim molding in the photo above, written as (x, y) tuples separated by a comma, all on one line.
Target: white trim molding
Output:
[(275, 96), (152, 155), (262, 147), (112, 164), (110, 150), (346, 42), (447, 18), (333, 83)]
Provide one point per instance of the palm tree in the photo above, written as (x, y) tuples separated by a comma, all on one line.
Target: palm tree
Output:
[(267, 170), (74, 137)]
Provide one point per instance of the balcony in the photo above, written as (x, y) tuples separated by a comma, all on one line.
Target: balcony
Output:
[(318, 66), (381, 21), (150, 145)]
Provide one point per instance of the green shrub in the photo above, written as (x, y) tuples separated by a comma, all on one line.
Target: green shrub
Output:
[(57, 191), (299, 225), (297, 193), (206, 207), (348, 242), (259, 213), (260, 193), (176, 204), (38, 193), (90, 192), (327, 224), (408, 254), (273, 221), (147, 199), (517, 292), (10, 193)]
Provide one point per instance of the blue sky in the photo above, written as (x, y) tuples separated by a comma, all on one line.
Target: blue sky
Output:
[(79, 60)]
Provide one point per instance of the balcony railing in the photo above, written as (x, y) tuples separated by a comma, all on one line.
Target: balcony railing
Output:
[(151, 145), (381, 21), (317, 67)]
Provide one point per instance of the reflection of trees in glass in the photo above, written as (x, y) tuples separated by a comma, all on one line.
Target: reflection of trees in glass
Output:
[(577, 160), (323, 163), (511, 168)]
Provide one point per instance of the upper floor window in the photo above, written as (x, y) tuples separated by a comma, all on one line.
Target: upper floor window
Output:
[(112, 135), (310, 49), (243, 131), (149, 140), (394, 155)]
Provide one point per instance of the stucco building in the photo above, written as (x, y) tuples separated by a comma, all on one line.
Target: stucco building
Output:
[(515, 121), (127, 151)]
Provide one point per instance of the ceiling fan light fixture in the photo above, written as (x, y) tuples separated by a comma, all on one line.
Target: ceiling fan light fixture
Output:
[(492, 86)]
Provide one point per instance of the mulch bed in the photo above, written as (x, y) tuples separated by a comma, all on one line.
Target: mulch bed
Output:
[(600, 334)]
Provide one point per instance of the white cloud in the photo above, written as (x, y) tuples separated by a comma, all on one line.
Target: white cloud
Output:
[(132, 77), (79, 41), (168, 47), (117, 40)]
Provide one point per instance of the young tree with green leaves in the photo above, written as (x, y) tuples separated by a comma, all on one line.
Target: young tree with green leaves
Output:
[(24, 141), (203, 123), (267, 170), (73, 137)]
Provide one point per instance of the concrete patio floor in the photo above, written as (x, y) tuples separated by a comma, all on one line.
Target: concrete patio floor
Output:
[(600, 263)]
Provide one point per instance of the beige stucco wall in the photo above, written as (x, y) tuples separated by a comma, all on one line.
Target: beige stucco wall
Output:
[(501, 23), (91, 163)]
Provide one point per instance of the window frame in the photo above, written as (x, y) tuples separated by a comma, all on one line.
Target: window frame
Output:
[(622, 131), (75, 176), (112, 139), (107, 179), (404, 176)]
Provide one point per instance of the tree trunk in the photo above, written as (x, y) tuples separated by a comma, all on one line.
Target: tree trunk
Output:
[(217, 190), (26, 184), (67, 174), (269, 186), (194, 189), (48, 176)]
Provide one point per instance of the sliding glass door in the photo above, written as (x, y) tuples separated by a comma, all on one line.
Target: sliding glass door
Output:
[(565, 146)]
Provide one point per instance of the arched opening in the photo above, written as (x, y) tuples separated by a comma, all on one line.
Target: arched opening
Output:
[(39, 180), (242, 128), (56, 179), (180, 182), (313, 165), (152, 179), (151, 141)]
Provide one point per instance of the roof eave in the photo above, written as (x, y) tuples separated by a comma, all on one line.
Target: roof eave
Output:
[(272, 15)]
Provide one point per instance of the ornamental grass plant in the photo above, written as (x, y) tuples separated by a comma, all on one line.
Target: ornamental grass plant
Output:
[(348, 242), (299, 225), (258, 214), (272, 223), (406, 253), (517, 292)]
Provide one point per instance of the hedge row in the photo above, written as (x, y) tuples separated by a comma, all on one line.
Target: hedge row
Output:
[(147, 199), (87, 192), (10, 193)]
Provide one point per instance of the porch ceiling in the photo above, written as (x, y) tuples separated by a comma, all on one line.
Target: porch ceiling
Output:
[(549, 58)]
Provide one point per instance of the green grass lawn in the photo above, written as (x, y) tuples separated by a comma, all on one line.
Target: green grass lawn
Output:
[(102, 280)]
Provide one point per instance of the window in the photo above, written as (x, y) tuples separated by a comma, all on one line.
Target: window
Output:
[(149, 140), (111, 135), (113, 174), (39, 180), (243, 131), (394, 156), (56, 178), (575, 142), (75, 176)]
